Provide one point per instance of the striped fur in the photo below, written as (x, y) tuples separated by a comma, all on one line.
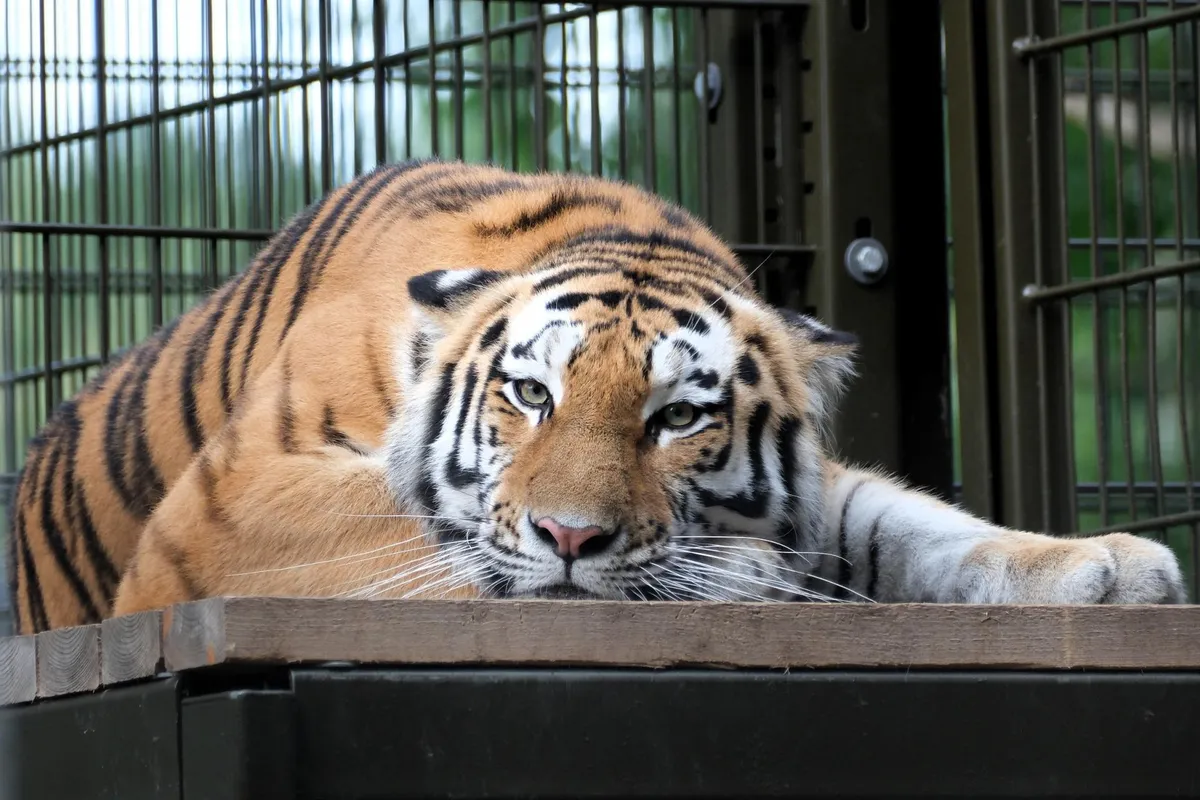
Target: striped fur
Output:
[(352, 415)]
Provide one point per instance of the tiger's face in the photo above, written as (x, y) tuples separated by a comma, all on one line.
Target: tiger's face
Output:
[(611, 434)]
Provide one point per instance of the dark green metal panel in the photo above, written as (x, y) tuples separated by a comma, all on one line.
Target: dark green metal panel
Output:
[(239, 745), (119, 744), (583, 733)]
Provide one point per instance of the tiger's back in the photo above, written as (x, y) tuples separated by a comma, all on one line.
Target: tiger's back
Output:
[(107, 457)]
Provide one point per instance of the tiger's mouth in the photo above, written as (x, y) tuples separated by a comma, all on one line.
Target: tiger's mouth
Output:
[(559, 591)]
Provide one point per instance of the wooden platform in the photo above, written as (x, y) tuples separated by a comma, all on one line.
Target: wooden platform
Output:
[(263, 631)]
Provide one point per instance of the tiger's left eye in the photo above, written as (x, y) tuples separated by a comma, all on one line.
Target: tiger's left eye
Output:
[(679, 415), (533, 393)]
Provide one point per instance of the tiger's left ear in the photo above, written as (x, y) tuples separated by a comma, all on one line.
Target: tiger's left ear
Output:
[(833, 364), (450, 290)]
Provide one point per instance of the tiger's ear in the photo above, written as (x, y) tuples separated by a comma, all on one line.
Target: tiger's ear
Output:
[(450, 290), (833, 363), (439, 298)]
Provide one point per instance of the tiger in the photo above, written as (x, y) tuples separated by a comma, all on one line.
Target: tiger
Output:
[(453, 380)]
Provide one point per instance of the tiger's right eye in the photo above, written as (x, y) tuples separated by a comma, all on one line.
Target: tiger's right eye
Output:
[(533, 393)]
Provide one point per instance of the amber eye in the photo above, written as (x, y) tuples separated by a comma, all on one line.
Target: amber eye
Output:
[(679, 415), (533, 393)]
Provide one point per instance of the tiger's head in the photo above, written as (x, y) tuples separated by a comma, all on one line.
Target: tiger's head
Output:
[(615, 428)]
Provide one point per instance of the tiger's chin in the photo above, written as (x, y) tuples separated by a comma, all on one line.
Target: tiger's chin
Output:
[(559, 591)]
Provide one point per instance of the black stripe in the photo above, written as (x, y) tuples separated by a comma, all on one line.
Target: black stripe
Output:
[(208, 490), (705, 378), (752, 503), (561, 201), (748, 370), (690, 320), (844, 566), (266, 274), (287, 415), (426, 490), (39, 621), (147, 480), (115, 440), (785, 445), (334, 436), (76, 503), (456, 198), (493, 333), (873, 551), (377, 379), (56, 544), (178, 561), (197, 354), (455, 473), (359, 192)]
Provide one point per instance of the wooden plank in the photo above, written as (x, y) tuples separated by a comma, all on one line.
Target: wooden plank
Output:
[(18, 669), (68, 660), (663, 634), (130, 647)]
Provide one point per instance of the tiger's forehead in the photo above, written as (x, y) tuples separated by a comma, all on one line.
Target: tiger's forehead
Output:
[(660, 340)]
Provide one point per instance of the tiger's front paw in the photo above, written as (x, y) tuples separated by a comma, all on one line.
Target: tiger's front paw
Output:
[(1041, 570)]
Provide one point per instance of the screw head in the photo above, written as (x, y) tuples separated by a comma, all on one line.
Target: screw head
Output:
[(866, 260)]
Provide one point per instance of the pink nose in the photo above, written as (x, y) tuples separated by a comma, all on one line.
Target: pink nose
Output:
[(569, 539)]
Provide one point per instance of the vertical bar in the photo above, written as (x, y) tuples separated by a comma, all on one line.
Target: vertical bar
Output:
[(594, 78), (1152, 432), (156, 307), (1039, 271), (232, 150), (48, 331), (180, 178), (539, 88), (1180, 304), (254, 217), (488, 134), (1098, 342), (409, 113), (268, 204), (512, 89), (676, 102), (8, 344), (377, 19), (305, 137), (1123, 307), (648, 154), (622, 159), (326, 112), (102, 174), (566, 134), (209, 172), (433, 98), (1065, 442), (458, 82), (705, 99), (760, 178)]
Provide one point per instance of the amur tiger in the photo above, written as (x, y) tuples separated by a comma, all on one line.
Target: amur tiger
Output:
[(445, 380)]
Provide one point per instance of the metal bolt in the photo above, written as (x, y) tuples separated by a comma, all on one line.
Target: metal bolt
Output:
[(866, 260), (714, 86)]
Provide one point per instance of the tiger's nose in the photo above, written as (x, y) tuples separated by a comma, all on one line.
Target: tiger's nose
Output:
[(574, 542)]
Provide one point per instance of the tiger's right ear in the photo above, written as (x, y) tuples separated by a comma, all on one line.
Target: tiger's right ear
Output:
[(438, 297), (450, 290)]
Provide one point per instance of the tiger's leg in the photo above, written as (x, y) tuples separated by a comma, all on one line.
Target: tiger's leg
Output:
[(901, 545), (281, 503)]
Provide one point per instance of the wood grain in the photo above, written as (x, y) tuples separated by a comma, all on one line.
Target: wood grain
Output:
[(596, 633), (18, 669), (68, 660), (130, 647)]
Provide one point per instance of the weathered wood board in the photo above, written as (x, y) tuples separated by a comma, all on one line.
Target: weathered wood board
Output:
[(274, 630)]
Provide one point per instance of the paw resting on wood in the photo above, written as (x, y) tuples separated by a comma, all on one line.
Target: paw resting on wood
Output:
[(1033, 569)]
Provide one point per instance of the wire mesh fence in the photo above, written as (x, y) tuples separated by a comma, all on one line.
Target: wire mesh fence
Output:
[(1120, 291), (151, 146)]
